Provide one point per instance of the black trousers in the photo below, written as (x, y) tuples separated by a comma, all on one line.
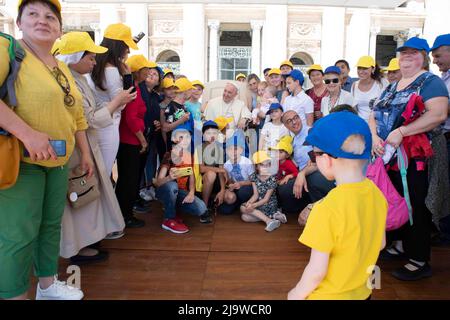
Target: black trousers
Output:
[(416, 238), (128, 161)]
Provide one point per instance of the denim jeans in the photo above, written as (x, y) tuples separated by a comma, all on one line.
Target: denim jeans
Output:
[(171, 197), (243, 194)]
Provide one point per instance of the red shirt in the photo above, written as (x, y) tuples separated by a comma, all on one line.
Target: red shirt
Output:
[(132, 120), (287, 168)]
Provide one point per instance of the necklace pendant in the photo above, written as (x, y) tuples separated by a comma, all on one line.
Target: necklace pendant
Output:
[(69, 100)]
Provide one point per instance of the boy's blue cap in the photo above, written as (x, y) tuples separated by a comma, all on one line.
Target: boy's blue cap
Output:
[(185, 126), (330, 132), (274, 106), (238, 140), (333, 69), (208, 125), (442, 40), (296, 75), (160, 71), (415, 43)]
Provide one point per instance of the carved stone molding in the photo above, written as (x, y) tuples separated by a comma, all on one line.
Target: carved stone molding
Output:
[(159, 45), (310, 47), (304, 31), (167, 28), (214, 24)]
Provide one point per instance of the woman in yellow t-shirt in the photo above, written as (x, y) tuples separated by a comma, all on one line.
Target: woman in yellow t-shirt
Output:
[(48, 108)]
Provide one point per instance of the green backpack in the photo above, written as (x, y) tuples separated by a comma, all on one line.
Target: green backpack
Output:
[(16, 56)]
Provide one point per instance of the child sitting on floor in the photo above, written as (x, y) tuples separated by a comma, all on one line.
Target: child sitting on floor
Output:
[(263, 205)]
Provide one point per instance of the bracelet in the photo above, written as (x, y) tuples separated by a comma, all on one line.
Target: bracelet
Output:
[(400, 130)]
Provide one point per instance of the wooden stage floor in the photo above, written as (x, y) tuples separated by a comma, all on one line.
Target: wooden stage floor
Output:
[(229, 259)]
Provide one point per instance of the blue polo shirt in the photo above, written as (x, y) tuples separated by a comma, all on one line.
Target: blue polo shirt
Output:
[(301, 156), (348, 84)]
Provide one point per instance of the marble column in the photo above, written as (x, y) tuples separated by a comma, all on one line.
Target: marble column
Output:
[(374, 31), (333, 32), (214, 26), (274, 42), (256, 46)]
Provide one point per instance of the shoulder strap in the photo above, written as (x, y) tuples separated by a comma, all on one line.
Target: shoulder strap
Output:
[(402, 161), (16, 56)]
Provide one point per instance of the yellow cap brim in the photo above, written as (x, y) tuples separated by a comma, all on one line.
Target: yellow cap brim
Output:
[(97, 49), (131, 44)]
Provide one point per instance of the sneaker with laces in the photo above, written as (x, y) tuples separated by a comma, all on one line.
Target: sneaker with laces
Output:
[(59, 290), (174, 226), (272, 225), (206, 218), (280, 217)]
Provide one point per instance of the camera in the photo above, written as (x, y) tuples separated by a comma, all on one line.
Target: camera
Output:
[(139, 37)]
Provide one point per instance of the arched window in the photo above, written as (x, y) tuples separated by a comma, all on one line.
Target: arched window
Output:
[(169, 59), (301, 61)]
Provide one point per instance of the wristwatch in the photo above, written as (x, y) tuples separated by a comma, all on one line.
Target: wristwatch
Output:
[(310, 206)]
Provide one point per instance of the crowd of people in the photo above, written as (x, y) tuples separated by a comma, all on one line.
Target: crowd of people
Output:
[(308, 158)]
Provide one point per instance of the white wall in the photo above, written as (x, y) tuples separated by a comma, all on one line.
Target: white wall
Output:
[(193, 60), (333, 34), (358, 38), (274, 33), (137, 20)]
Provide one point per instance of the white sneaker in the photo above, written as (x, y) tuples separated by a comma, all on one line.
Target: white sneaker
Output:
[(59, 290), (272, 225), (280, 217)]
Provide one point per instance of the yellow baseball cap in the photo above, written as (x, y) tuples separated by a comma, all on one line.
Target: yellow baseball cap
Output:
[(76, 41), (198, 83), (138, 62), (240, 75), (222, 122), (274, 71), (56, 3), (183, 84), (119, 31), (260, 157), (284, 144), (287, 63), (316, 67), (366, 62), (393, 65), (167, 83), (167, 70)]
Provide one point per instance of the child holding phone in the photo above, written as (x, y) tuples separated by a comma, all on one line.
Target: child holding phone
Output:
[(176, 183)]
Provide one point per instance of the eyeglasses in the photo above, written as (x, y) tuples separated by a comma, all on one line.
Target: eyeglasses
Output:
[(328, 81), (295, 118)]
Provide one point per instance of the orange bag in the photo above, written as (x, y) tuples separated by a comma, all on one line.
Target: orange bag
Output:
[(10, 161)]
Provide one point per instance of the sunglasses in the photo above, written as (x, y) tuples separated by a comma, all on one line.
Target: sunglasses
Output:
[(328, 81), (314, 154)]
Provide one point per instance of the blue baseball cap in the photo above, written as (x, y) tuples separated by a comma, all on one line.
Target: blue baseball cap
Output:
[(333, 69), (210, 124), (296, 75), (442, 40), (274, 106), (415, 43), (187, 126), (238, 140), (330, 132)]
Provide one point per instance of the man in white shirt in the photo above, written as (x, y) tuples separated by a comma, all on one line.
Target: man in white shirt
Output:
[(229, 107), (299, 101)]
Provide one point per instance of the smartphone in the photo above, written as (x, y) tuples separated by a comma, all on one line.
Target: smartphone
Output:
[(128, 82), (139, 37), (183, 172), (58, 145)]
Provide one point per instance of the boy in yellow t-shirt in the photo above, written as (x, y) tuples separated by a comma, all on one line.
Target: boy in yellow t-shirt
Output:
[(346, 229)]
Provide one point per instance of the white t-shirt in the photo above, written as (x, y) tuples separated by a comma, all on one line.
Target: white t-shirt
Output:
[(243, 170), (300, 103), (272, 134), (344, 98), (362, 99)]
